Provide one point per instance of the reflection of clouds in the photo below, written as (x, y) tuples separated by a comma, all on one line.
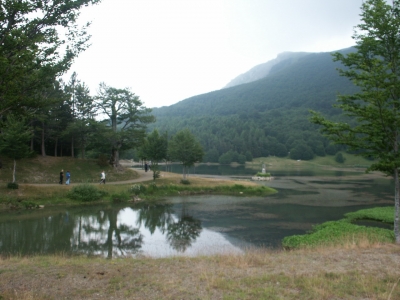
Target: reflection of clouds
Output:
[(104, 234), (156, 244)]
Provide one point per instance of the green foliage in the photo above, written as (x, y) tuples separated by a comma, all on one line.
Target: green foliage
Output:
[(14, 138), (185, 181), (337, 232), (12, 185), (137, 189), (375, 107), (86, 193), (340, 158), (383, 214), (120, 197), (30, 56), (265, 117), (259, 174), (29, 205), (301, 151), (127, 119), (185, 148), (102, 161)]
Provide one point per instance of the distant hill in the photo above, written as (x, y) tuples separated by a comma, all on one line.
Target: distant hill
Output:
[(262, 70), (268, 116)]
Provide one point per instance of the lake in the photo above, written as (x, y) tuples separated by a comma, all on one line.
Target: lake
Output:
[(197, 225)]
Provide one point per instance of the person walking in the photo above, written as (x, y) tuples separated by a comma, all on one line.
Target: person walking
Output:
[(146, 166), (61, 176), (103, 178), (67, 177)]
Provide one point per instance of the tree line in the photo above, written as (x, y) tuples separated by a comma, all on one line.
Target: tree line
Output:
[(42, 114)]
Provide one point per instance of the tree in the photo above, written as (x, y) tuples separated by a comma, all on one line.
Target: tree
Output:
[(82, 116), (31, 47), (375, 68), (14, 139), (127, 119), (340, 158), (155, 149), (185, 148)]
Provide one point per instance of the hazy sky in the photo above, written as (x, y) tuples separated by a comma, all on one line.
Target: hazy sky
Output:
[(169, 50)]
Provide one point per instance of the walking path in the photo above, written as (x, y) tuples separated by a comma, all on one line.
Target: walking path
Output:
[(143, 176)]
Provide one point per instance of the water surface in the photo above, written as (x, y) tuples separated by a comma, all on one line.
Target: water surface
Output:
[(196, 225)]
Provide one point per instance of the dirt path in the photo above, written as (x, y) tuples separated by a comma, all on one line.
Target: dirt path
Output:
[(144, 176)]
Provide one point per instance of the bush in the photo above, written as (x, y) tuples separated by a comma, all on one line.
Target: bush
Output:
[(339, 158), (138, 189), (185, 181), (121, 197), (12, 185), (259, 174), (85, 193)]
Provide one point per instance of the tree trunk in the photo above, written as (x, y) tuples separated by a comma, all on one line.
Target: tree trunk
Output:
[(115, 157), (72, 147), (55, 147), (15, 166), (396, 205), (43, 144)]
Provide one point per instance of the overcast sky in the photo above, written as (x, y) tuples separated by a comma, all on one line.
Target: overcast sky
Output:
[(168, 50)]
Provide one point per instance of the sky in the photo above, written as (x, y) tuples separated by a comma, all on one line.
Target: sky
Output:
[(166, 51)]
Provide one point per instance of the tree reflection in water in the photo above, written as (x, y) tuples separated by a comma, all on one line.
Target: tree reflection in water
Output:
[(185, 231), (106, 231), (153, 216), (101, 234), (180, 234)]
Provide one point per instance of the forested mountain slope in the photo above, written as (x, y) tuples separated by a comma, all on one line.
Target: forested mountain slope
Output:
[(265, 117), (262, 70)]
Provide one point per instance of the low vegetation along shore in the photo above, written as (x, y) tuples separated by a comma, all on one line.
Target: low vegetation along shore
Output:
[(336, 260)]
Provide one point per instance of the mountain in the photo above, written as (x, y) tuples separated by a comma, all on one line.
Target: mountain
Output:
[(262, 70), (268, 116)]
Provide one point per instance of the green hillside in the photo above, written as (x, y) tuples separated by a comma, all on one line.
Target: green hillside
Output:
[(265, 117)]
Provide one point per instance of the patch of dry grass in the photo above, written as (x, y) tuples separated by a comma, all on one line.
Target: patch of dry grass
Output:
[(331, 273), (195, 181)]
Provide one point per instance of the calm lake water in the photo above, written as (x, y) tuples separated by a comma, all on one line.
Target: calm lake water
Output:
[(197, 225)]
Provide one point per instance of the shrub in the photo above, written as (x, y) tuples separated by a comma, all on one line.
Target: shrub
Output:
[(138, 189), (185, 181), (85, 193), (339, 158), (12, 185), (259, 174), (121, 197)]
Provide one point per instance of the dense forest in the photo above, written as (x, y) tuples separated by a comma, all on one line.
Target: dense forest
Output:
[(265, 117)]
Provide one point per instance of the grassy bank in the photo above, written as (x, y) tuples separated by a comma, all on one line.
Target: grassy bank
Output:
[(342, 232), (349, 272), (28, 195), (46, 170), (351, 161)]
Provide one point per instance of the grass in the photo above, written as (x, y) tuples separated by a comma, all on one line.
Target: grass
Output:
[(169, 184), (327, 161), (343, 232), (47, 170), (354, 264), (369, 272)]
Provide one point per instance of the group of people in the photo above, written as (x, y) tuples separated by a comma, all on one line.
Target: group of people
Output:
[(68, 177)]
